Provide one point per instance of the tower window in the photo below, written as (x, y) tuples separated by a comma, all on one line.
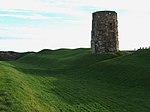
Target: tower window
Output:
[(110, 26)]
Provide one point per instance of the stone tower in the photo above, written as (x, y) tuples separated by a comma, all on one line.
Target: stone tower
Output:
[(104, 32)]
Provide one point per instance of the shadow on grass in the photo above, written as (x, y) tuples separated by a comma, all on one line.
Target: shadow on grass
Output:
[(107, 86), (87, 94)]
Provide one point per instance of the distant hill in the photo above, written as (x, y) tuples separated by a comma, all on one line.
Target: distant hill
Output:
[(11, 55), (74, 80)]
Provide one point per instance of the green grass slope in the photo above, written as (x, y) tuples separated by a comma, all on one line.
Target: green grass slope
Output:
[(74, 80)]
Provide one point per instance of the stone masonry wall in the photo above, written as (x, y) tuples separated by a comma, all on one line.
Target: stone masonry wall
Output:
[(104, 35)]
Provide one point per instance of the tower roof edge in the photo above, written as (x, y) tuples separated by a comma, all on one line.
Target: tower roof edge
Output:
[(105, 11)]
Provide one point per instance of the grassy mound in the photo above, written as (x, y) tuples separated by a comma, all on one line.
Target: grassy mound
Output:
[(74, 80)]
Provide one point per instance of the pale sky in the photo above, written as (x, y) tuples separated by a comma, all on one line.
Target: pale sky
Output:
[(33, 25)]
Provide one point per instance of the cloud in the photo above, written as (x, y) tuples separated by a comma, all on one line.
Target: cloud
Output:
[(78, 8), (67, 23), (38, 10), (22, 4), (33, 16), (70, 6), (34, 5)]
